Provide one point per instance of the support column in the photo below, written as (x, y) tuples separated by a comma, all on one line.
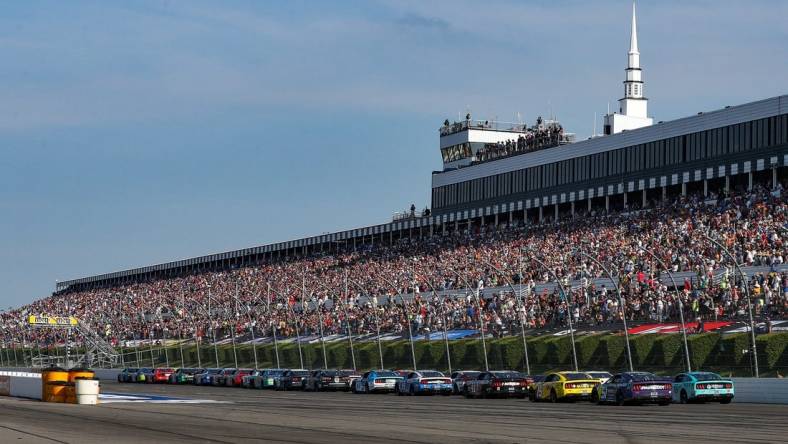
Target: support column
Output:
[(456, 225), (644, 198), (511, 216), (541, 214), (496, 221), (573, 209), (625, 200), (705, 187), (727, 183), (555, 218), (664, 193), (774, 178), (607, 204), (589, 205), (749, 181), (683, 189)]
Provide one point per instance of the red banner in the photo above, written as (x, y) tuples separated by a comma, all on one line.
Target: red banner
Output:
[(692, 327)]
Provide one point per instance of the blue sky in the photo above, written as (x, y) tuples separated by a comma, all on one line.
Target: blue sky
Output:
[(139, 132)]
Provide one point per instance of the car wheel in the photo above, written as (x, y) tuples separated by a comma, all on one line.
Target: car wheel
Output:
[(726, 401), (594, 396), (367, 390), (553, 396), (412, 391), (455, 390), (683, 399), (532, 395), (619, 398), (664, 402)]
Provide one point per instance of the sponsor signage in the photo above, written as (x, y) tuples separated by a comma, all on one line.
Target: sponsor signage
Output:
[(52, 321), (676, 328), (5, 385)]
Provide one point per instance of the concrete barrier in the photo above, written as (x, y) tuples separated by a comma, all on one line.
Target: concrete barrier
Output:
[(761, 391), (107, 374), (20, 384)]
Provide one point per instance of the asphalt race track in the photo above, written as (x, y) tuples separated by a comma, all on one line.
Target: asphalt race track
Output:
[(294, 417)]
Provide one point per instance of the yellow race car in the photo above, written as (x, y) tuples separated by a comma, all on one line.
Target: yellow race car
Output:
[(563, 386)]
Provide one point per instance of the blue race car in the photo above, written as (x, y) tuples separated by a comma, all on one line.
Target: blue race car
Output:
[(425, 382), (701, 387), (636, 388)]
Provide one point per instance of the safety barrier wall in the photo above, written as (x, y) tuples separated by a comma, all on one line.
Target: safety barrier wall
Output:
[(762, 391), (105, 374), (20, 384)]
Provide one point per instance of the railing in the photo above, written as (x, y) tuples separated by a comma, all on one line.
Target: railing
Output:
[(457, 127)]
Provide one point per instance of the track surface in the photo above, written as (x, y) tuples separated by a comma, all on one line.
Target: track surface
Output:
[(295, 417)]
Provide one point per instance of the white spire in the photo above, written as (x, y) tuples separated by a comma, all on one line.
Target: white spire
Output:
[(633, 107), (633, 40)]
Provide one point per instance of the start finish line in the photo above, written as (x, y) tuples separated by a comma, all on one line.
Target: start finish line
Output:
[(115, 398)]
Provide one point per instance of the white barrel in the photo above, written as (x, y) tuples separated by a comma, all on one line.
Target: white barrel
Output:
[(87, 391)]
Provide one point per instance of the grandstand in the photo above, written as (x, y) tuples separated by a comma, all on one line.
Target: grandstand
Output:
[(708, 153)]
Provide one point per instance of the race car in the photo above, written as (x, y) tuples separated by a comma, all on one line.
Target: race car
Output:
[(499, 384), (233, 379), (563, 386), (218, 378), (184, 375), (328, 380), (599, 375), (127, 374), (636, 388), (247, 381), (143, 375), (204, 377), (701, 387), (292, 379), (376, 381), (269, 379), (160, 375), (459, 378), (425, 382)]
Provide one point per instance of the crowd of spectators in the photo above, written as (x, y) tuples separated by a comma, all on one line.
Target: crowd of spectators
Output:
[(358, 290), (540, 136)]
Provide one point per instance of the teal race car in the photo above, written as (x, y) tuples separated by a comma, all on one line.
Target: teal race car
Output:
[(702, 387)]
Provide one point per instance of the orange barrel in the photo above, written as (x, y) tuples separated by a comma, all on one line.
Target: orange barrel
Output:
[(51, 374), (83, 373), (71, 393), (56, 392)]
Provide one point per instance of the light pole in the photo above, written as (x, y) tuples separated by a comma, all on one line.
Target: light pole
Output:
[(522, 310), (347, 321), (377, 321), (406, 310), (477, 292), (678, 299), (445, 321), (568, 306), (620, 303), (232, 325), (273, 325), (213, 328), (747, 295)]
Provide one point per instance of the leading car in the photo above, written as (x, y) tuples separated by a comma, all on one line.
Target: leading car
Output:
[(701, 387), (636, 388)]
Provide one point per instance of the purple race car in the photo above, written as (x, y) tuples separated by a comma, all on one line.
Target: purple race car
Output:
[(636, 388)]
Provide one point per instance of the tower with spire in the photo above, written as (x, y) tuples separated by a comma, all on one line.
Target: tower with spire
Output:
[(633, 107)]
